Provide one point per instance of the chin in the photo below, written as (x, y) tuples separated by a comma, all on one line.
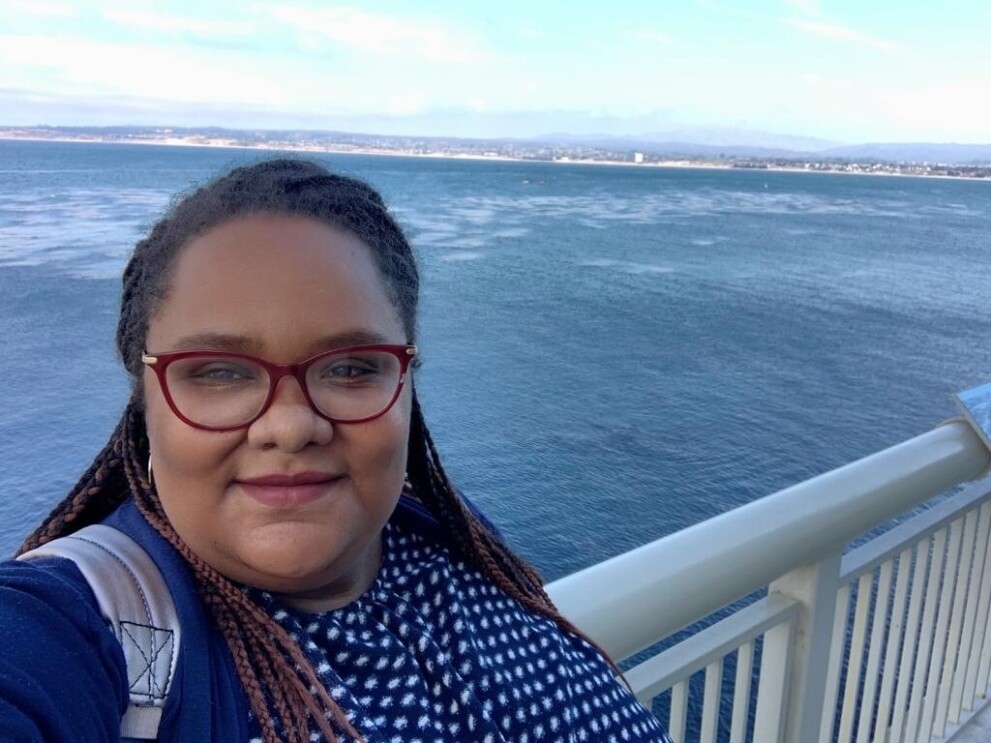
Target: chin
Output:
[(289, 570)]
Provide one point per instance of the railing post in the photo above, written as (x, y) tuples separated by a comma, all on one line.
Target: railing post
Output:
[(815, 586)]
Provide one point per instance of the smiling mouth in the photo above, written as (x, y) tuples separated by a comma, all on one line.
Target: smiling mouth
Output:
[(290, 491)]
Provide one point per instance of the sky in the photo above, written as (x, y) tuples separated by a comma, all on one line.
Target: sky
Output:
[(846, 71)]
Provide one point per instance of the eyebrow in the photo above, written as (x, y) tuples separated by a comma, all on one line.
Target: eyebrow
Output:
[(351, 338), (234, 343)]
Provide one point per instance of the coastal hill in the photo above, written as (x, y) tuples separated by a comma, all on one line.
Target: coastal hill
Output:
[(791, 153)]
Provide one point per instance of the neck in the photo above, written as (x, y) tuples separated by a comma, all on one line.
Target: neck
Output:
[(342, 591)]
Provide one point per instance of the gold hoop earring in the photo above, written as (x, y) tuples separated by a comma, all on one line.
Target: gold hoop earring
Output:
[(151, 475)]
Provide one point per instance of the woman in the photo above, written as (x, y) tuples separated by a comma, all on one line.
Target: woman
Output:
[(274, 462)]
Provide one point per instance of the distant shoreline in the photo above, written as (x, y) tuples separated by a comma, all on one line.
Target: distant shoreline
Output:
[(330, 149)]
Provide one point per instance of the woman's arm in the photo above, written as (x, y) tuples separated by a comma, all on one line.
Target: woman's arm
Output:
[(62, 672)]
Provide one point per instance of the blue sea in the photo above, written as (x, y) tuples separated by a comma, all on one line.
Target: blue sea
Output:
[(611, 353)]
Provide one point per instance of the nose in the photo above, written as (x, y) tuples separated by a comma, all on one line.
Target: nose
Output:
[(289, 423)]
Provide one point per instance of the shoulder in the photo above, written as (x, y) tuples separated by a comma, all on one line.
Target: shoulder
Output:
[(490, 640), (62, 674), (204, 660), (52, 587)]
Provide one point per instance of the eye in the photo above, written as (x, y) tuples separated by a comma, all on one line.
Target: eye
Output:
[(215, 372), (348, 369), (351, 370)]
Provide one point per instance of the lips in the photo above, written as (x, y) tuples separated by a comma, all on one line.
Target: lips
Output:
[(290, 490)]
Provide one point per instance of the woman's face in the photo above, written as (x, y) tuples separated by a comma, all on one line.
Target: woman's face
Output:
[(283, 289)]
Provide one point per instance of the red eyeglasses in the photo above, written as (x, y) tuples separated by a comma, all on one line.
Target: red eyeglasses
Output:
[(219, 391)]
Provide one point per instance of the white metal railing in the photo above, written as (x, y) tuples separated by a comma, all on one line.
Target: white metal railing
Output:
[(917, 656), (886, 643)]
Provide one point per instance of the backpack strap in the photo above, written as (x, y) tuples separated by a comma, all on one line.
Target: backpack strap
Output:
[(138, 606)]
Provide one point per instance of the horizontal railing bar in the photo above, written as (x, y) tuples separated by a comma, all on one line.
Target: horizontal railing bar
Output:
[(664, 670), (633, 600), (885, 546)]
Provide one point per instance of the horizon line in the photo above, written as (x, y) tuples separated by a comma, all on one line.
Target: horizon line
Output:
[(573, 139)]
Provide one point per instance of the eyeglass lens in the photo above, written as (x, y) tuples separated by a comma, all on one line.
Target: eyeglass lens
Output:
[(219, 391)]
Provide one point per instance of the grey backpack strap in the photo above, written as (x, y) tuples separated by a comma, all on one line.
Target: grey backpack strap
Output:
[(138, 606)]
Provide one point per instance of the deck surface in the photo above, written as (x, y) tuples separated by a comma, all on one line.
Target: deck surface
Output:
[(977, 730)]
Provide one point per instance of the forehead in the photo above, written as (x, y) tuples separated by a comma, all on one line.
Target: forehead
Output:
[(278, 282)]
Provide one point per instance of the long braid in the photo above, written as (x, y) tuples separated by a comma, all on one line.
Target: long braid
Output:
[(471, 539), (267, 658), (279, 669), (271, 665), (96, 494), (286, 695)]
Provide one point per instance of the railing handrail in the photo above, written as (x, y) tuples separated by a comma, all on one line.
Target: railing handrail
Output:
[(633, 600)]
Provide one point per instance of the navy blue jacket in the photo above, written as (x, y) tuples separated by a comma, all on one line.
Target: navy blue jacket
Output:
[(62, 673)]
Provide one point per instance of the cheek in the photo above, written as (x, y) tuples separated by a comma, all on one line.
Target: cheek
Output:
[(184, 460), (403, 409), (166, 437), (387, 443)]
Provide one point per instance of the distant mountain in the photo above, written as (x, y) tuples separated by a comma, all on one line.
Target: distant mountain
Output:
[(737, 143), (673, 149), (948, 154), (736, 137), (716, 143)]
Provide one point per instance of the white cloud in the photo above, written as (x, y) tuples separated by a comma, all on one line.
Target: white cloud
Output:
[(41, 8), (151, 71), (947, 111), (839, 33), (189, 76), (147, 20), (808, 7), (320, 62), (380, 34), (814, 23), (531, 32), (407, 102), (651, 37)]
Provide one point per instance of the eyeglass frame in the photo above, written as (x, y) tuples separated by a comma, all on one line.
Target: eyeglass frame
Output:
[(159, 363)]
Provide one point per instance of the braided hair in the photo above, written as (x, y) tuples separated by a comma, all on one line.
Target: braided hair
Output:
[(281, 684)]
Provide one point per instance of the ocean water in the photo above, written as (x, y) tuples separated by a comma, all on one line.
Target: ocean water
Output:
[(611, 353)]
